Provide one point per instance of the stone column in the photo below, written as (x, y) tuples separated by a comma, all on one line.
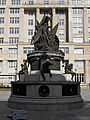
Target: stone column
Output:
[(8, 2), (22, 26), (54, 18), (69, 2), (71, 53), (20, 56), (70, 28), (5, 61), (38, 14), (85, 26), (7, 21), (87, 72)]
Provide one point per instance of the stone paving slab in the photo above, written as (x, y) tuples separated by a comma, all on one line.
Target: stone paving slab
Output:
[(77, 114)]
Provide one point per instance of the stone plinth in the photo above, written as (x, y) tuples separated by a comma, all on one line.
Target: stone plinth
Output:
[(45, 95), (38, 77)]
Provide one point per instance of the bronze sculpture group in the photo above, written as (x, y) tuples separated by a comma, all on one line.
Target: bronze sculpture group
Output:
[(46, 40)]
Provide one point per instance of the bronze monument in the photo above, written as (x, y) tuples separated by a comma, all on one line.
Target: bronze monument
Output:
[(45, 87)]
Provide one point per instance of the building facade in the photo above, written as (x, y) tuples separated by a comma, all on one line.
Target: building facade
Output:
[(17, 26)]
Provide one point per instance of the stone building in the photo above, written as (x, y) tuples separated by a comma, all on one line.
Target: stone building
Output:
[(17, 26)]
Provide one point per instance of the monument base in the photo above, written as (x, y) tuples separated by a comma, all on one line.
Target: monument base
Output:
[(67, 103), (45, 95)]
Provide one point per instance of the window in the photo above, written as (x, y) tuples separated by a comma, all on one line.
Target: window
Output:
[(25, 50), (1, 20), (79, 64), (78, 51), (30, 22), (29, 41), (31, 2), (1, 40), (1, 30), (78, 40), (77, 10), (14, 30), (77, 30), (89, 30), (0, 63), (65, 49), (89, 20), (61, 13), (12, 64), (46, 13), (46, 1), (11, 78), (0, 50), (79, 77), (2, 10), (88, 1), (61, 21), (28, 50), (31, 13), (77, 20), (13, 39), (88, 10), (2, 2), (13, 51), (30, 32), (61, 1), (88, 40), (14, 10), (61, 32), (15, 2), (14, 20), (76, 1)]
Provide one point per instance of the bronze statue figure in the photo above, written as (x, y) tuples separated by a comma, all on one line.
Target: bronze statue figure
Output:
[(68, 70), (24, 69), (45, 68), (45, 39)]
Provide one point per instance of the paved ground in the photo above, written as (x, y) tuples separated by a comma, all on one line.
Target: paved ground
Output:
[(78, 114)]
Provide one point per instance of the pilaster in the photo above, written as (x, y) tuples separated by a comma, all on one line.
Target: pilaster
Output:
[(85, 30), (87, 77), (54, 20), (20, 57), (6, 25), (22, 26), (38, 14), (70, 28)]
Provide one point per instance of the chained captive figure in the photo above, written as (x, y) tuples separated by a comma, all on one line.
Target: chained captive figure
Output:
[(45, 68), (68, 70)]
